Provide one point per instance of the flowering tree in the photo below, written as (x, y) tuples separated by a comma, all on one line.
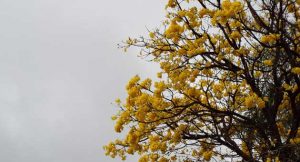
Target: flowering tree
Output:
[(228, 87)]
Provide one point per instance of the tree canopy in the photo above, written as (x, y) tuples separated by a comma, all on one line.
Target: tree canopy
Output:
[(228, 88)]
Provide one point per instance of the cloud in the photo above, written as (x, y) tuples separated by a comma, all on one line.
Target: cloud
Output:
[(60, 69)]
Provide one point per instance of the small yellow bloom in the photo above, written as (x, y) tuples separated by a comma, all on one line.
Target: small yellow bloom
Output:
[(249, 102), (207, 155), (296, 70), (118, 101), (257, 74), (235, 35), (268, 62), (271, 38), (261, 103), (159, 75), (152, 35)]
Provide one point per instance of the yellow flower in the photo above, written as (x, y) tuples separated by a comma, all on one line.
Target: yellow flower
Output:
[(268, 62), (235, 35), (152, 35), (132, 82), (296, 141), (245, 148), (118, 101), (261, 103), (286, 86), (118, 127), (182, 13), (249, 102), (163, 159), (257, 74), (296, 70), (174, 30), (159, 75), (114, 117), (146, 83), (271, 38), (144, 158), (207, 155)]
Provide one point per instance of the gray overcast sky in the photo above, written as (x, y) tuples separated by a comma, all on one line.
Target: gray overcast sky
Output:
[(60, 70)]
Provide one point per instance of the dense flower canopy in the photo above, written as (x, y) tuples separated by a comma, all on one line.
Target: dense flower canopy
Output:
[(228, 86)]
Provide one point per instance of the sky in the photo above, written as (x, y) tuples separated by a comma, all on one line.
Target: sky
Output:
[(60, 72)]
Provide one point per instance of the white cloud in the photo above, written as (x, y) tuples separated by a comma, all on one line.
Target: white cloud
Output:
[(60, 69)]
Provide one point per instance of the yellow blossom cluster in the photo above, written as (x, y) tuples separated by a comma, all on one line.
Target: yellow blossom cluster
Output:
[(296, 70), (228, 10), (174, 31), (268, 62), (270, 39), (254, 101), (228, 80)]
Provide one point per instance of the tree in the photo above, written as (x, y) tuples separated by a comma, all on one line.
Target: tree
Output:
[(228, 87)]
